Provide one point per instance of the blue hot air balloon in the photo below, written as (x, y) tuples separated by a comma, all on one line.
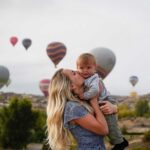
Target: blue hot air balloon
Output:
[(26, 43), (133, 80)]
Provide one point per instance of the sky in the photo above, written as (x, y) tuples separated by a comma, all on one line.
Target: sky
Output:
[(119, 25)]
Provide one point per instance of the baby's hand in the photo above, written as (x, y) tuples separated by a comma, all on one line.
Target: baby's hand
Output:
[(108, 108)]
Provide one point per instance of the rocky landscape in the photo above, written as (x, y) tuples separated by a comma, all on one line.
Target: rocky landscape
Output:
[(133, 125), (36, 100)]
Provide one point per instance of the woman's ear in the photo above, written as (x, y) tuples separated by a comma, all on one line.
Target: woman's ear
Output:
[(71, 86)]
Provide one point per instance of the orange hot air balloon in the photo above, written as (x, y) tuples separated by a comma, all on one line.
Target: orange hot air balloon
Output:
[(44, 84), (13, 40), (56, 52)]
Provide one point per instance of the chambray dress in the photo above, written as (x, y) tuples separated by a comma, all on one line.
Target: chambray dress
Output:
[(86, 139)]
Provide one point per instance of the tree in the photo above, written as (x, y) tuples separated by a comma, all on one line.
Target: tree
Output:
[(147, 136), (141, 107), (39, 130), (16, 121)]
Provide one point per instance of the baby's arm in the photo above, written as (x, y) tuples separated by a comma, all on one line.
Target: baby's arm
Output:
[(92, 85)]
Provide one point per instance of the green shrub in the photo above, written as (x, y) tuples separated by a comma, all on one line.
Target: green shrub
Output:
[(147, 136), (125, 111), (39, 130), (142, 108), (16, 122), (124, 129)]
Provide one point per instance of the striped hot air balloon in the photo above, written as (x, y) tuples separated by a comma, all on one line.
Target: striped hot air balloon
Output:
[(44, 84), (56, 52), (133, 80)]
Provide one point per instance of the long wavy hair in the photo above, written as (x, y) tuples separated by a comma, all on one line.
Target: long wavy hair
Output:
[(59, 94)]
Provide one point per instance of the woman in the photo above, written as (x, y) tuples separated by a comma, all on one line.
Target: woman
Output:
[(66, 113)]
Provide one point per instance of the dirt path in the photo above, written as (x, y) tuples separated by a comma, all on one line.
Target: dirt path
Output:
[(34, 146)]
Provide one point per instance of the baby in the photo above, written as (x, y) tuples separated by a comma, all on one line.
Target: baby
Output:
[(86, 66)]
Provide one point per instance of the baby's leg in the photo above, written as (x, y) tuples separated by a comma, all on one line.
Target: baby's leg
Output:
[(115, 134)]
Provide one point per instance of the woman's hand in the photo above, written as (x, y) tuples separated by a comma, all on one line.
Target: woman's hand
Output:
[(108, 108)]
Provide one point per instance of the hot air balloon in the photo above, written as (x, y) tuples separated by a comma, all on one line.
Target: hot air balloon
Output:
[(133, 80), (56, 52), (105, 59), (44, 85), (13, 40), (4, 76), (26, 43)]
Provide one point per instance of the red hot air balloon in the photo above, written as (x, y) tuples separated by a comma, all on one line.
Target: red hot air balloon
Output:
[(44, 84), (56, 52), (13, 40)]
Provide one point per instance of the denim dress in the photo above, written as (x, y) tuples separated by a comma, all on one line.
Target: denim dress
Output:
[(86, 139)]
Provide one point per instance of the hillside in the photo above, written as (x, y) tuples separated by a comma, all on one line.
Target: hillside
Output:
[(40, 101), (133, 126), (36, 100)]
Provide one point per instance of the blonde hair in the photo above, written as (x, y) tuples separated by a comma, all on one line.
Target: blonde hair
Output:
[(59, 94), (85, 59)]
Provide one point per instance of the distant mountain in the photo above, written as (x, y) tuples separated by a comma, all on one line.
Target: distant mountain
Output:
[(41, 102), (36, 100)]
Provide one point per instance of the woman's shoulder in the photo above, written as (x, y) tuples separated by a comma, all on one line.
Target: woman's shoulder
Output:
[(70, 105), (73, 110), (75, 107)]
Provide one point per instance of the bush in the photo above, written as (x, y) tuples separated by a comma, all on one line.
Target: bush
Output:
[(16, 122), (147, 136), (142, 108), (38, 132), (125, 111), (124, 129)]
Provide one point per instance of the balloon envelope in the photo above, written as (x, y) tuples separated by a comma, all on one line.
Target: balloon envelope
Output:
[(4, 76), (26, 43), (44, 85), (133, 80), (56, 52), (13, 40), (105, 59)]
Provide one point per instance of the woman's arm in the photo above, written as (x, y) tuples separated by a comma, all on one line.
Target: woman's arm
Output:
[(97, 123), (108, 108), (90, 123)]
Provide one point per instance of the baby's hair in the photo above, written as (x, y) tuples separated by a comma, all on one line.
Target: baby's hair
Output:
[(86, 58)]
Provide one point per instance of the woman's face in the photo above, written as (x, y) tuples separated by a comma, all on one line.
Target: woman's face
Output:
[(74, 76)]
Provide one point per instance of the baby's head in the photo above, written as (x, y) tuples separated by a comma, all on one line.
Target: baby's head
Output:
[(86, 65)]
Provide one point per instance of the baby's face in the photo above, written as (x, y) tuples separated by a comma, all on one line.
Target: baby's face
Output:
[(86, 70)]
